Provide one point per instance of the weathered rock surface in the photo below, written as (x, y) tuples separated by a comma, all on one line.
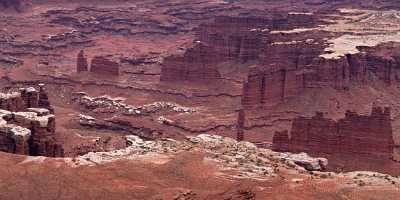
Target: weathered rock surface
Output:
[(227, 38), (244, 157), (240, 125), (103, 66), (107, 104), (197, 64), (353, 137), (44, 99), (26, 128), (234, 37), (118, 125)]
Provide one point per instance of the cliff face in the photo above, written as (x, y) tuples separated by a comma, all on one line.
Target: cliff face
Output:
[(234, 37), (383, 60), (240, 39), (275, 80), (198, 63), (103, 66), (243, 38), (240, 125), (354, 136), (24, 127)]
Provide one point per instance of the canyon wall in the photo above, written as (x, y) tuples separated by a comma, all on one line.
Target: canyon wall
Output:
[(274, 80), (243, 38), (240, 125), (355, 136), (198, 63), (383, 60), (240, 39), (266, 40), (234, 37), (99, 65), (103, 66), (25, 127)]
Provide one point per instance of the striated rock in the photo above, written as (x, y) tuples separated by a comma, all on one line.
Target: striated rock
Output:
[(197, 64), (11, 101), (240, 125), (276, 80), (353, 136), (240, 39), (234, 37), (27, 129), (383, 60), (44, 99), (281, 141), (244, 38), (272, 87), (103, 66), (13, 138), (81, 63), (30, 97), (16, 101)]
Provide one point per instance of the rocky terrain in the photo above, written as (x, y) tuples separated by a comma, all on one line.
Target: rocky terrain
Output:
[(26, 124), (120, 91), (351, 143), (201, 167)]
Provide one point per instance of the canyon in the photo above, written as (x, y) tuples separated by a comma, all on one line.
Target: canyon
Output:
[(199, 99)]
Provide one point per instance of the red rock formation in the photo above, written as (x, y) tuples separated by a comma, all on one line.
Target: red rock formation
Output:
[(383, 60), (355, 135), (228, 38), (271, 87), (104, 66), (81, 63), (281, 141), (19, 101), (44, 99), (240, 125), (275, 80), (196, 64), (234, 37), (27, 129), (244, 38)]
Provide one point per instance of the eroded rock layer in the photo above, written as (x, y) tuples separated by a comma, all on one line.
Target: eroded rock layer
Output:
[(103, 66), (227, 38), (25, 128), (353, 137), (275, 79), (198, 63)]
